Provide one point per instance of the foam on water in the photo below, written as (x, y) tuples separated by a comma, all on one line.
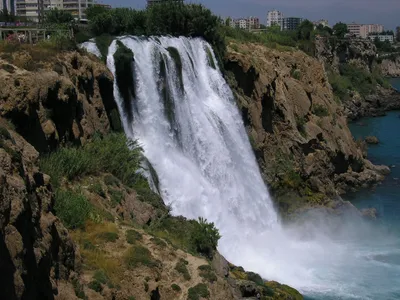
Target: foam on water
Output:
[(206, 168)]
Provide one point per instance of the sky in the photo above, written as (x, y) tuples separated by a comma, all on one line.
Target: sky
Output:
[(386, 12)]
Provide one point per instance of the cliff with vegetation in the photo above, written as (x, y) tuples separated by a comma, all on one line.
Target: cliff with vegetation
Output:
[(390, 66), (76, 224), (298, 129), (357, 76)]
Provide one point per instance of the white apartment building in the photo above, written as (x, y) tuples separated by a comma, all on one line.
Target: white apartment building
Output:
[(33, 9), (382, 37), (275, 17), (364, 30), (245, 23), (8, 5)]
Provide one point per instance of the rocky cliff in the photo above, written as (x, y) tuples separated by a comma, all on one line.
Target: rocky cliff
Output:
[(129, 246), (364, 92), (390, 67), (299, 133)]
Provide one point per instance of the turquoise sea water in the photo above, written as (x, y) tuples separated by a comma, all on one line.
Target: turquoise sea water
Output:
[(372, 268)]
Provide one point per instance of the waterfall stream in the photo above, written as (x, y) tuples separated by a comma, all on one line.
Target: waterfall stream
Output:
[(185, 117)]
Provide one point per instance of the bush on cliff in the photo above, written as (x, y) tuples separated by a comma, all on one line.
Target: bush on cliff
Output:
[(101, 155)]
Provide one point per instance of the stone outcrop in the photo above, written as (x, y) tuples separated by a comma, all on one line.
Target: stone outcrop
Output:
[(361, 53), (298, 131), (65, 102), (35, 248), (390, 67)]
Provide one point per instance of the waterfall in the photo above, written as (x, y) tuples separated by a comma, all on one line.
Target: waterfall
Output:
[(184, 115), (186, 119)]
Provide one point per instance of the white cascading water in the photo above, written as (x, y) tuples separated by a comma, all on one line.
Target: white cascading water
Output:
[(206, 168)]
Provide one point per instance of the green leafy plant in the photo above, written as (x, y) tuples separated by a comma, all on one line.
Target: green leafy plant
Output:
[(205, 237), (175, 287), (320, 110), (198, 291), (138, 255), (181, 267), (72, 208), (207, 273), (132, 236)]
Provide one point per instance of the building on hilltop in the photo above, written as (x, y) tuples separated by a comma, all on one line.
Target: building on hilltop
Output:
[(35, 9), (152, 2), (8, 5), (275, 17), (382, 37), (245, 23), (364, 30), (291, 23)]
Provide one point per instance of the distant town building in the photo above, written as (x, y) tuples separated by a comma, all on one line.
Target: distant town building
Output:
[(152, 2), (8, 5), (275, 17), (245, 23), (35, 9), (291, 23), (322, 22), (382, 37), (364, 30), (398, 33)]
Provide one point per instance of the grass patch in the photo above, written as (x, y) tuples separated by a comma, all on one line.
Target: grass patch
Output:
[(97, 189), (175, 287), (181, 267), (132, 236), (301, 125), (72, 208), (102, 155), (116, 197), (96, 286), (138, 255), (198, 291), (207, 273), (320, 110), (4, 134), (110, 180), (109, 237), (78, 289), (158, 242), (296, 74)]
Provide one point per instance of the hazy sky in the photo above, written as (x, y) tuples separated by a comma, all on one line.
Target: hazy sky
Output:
[(386, 12)]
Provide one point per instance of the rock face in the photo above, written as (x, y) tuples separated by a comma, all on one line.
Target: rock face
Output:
[(35, 248), (66, 102), (298, 131), (390, 67), (363, 54)]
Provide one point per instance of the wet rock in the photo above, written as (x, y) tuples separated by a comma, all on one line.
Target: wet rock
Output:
[(372, 140), (369, 213)]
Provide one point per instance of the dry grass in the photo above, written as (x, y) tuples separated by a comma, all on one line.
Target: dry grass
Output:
[(91, 241)]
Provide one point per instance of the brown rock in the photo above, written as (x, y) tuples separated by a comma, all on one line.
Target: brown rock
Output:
[(369, 213), (372, 140)]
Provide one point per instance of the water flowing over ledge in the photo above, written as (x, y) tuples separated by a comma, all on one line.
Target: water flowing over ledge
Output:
[(184, 115)]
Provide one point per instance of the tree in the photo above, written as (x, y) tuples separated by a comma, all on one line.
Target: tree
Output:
[(305, 30), (95, 10), (340, 29), (55, 16)]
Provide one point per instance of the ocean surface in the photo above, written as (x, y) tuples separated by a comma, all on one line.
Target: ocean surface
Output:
[(383, 284)]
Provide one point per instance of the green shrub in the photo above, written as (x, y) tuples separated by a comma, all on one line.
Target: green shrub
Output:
[(108, 236), (72, 208), (296, 74), (158, 242), (138, 255), (205, 237), (182, 269), (198, 291), (96, 286), (78, 289), (207, 273), (116, 197), (4, 134), (146, 287), (110, 180), (97, 188), (255, 278), (320, 110), (101, 277), (132, 236), (101, 155), (175, 287), (300, 125)]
